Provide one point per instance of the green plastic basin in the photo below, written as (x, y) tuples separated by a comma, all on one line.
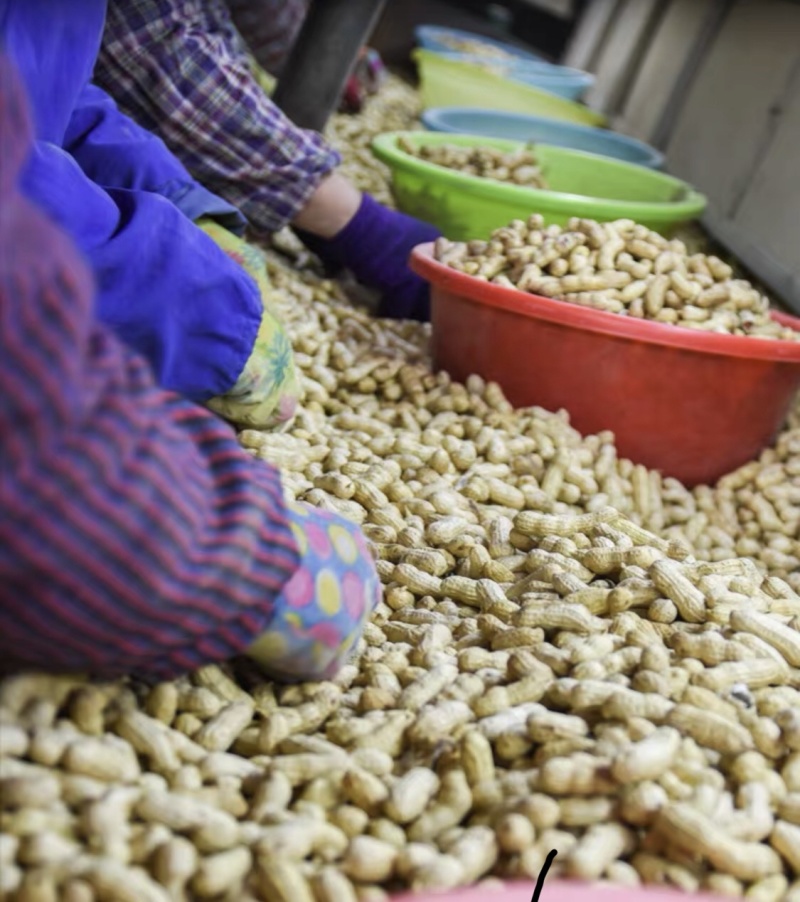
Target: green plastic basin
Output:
[(581, 184), (446, 82)]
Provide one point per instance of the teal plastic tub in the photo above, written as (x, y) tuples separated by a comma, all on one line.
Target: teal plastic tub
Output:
[(465, 206), (518, 127), (440, 40), (452, 83), (561, 80)]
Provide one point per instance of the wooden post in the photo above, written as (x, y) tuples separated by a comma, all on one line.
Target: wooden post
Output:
[(322, 59)]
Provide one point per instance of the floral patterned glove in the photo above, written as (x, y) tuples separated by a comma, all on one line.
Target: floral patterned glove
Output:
[(321, 612), (267, 392)]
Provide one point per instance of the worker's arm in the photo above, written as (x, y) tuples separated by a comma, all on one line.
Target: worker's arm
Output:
[(115, 152), (184, 73), (136, 536), (164, 287), (374, 243)]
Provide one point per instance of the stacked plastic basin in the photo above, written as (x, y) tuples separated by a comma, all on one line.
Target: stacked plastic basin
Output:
[(694, 405), (507, 61), (501, 91)]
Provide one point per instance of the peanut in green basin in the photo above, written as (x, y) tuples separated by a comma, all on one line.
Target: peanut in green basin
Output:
[(580, 184)]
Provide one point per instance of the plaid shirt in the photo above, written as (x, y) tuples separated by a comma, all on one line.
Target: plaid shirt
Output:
[(181, 69), (135, 535), (271, 27)]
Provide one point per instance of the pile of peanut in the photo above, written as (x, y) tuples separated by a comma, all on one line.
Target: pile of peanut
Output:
[(572, 653), (395, 108), (620, 267), (517, 167)]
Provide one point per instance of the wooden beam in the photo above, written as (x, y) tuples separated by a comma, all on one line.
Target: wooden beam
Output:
[(323, 57)]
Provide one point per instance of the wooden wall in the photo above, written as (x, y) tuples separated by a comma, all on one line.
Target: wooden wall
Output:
[(716, 85)]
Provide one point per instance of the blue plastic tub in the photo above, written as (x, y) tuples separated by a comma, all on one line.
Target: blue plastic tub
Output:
[(539, 130), (433, 37), (560, 80)]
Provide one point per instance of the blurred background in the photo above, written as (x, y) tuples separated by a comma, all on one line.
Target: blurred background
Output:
[(714, 84)]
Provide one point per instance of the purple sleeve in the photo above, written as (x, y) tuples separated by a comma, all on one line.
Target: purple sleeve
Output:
[(115, 152), (136, 536), (181, 71)]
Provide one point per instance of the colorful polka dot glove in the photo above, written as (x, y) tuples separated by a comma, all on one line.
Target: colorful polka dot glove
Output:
[(321, 611), (267, 391)]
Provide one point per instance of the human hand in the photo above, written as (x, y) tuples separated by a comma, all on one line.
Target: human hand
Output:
[(267, 392), (321, 611), (375, 246)]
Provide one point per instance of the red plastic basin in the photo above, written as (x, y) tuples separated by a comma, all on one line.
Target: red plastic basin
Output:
[(693, 405), (561, 891)]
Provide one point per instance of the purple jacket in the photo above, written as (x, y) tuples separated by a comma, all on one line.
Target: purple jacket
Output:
[(135, 535)]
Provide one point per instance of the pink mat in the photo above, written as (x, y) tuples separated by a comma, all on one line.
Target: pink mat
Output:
[(558, 891)]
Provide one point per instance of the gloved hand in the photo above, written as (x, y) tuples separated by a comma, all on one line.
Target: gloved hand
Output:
[(267, 392), (375, 246), (320, 613)]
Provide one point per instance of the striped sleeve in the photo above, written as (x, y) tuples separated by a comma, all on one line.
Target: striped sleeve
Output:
[(136, 536)]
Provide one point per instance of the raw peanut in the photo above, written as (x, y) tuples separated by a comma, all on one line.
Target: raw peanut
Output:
[(753, 672), (202, 702), (113, 880), (601, 845), (364, 790), (451, 805), (669, 579), (515, 833), (368, 859), (518, 167), (33, 791), (410, 795), (528, 689), (219, 733), (162, 702), (182, 813), (387, 831), (148, 738), (102, 760), (477, 760), (781, 637), (76, 890), (213, 677), (476, 849), (710, 730), (770, 889), (647, 759), (330, 885), (785, 839), (680, 824), (578, 775), (13, 740), (283, 881), (545, 726), (291, 839), (173, 865), (422, 691), (222, 872), (306, 766), (584, 812)]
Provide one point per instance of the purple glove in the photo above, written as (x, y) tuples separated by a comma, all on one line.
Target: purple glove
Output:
[(374, 246)]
